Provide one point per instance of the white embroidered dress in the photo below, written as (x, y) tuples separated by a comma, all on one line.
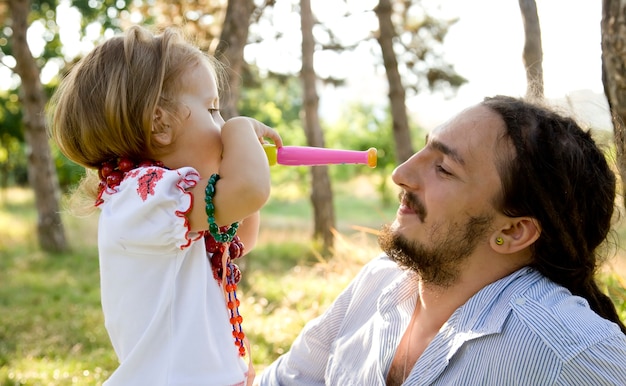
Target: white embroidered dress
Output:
[(164, 311)]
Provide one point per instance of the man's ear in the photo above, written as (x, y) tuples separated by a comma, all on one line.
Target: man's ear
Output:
[(162, 132), (520, 233)]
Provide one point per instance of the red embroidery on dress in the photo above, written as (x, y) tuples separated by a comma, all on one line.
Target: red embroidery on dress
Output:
[(147, 182)]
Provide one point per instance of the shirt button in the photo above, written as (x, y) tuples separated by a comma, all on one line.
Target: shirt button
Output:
[(520, 301)]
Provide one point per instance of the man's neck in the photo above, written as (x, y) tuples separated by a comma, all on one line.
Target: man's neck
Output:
[(437, 303)]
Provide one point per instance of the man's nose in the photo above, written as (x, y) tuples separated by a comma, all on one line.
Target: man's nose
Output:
[(407, 174)]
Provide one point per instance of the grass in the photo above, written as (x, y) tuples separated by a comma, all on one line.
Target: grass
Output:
[(51, 326)]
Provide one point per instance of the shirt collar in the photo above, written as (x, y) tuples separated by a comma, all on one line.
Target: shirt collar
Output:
[(486, 311)]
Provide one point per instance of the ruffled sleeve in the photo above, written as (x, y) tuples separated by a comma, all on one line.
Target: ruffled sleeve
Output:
[(147, 211)]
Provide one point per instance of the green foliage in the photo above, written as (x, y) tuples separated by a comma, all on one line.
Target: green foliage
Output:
[(359, 128), (103, 12), (68, 172), (10, 116), (12, 157), (13, 162), (277, 102), (615, 287)]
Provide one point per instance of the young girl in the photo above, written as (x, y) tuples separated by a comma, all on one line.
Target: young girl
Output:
[(175, 184)]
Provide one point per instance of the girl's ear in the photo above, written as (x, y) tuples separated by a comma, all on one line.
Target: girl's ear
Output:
[(161, 129), (521, 233)]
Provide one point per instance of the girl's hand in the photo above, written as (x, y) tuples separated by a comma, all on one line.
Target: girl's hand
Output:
[(261, 130)]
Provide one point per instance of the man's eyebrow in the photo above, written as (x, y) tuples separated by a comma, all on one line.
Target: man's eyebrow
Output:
[(445, 149)]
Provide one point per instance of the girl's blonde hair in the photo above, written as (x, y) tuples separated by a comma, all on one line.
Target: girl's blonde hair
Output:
[(104, 108)]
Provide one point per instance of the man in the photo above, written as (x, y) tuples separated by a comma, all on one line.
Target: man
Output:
[(488, 276)]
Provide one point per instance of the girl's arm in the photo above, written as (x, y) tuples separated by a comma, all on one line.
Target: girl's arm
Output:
[(249, 230), (244, 184)]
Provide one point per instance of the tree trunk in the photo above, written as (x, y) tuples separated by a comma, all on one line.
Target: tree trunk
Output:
[(229, 51), (613, 28), (41, 172), (397, 94), (321, 192), (533, 51)]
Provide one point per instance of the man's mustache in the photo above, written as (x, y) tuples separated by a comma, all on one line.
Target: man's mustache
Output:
[(412, 201)]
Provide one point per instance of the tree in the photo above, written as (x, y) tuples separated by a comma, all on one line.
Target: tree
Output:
[(533, 52), (408, 37), (41, 168), (397, 95), (613, 27), (321, 192), (229, 51), (41, 172)]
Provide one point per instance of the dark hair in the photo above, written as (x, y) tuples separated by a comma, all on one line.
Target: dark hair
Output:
[(559, 176)]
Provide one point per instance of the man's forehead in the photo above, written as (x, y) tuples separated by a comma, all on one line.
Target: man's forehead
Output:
[(477, 121), (471, 133)]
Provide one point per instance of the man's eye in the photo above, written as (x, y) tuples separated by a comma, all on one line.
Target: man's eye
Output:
[(441, 170)]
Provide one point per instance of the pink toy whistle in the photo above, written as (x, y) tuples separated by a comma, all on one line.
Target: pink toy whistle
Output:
[(312, 156)]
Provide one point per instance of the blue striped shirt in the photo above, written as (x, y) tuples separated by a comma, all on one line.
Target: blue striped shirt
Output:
[(521, 330)]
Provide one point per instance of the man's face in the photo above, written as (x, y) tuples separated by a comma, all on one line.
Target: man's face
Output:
[(446, 204)]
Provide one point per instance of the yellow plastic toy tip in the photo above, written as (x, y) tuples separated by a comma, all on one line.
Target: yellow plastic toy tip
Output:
[(271, 153), (372, 157)]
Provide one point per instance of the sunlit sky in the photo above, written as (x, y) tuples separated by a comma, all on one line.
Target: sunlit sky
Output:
[(485, 47), (570, 38)]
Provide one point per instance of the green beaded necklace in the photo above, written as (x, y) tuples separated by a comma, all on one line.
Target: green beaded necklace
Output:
[(214, 229)]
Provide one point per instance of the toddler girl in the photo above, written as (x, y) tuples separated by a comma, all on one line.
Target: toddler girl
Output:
[(175, 184)]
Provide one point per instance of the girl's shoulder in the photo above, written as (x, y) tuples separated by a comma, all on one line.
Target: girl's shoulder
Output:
[(150, 182), (153, 196)]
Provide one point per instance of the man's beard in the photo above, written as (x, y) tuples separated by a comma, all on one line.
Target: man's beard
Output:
[(439, 264)]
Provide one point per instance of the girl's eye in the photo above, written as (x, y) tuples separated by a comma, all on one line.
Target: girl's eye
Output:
[(214, 111)]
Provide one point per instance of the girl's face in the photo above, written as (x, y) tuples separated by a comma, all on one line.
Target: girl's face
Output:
[(197, 142)]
